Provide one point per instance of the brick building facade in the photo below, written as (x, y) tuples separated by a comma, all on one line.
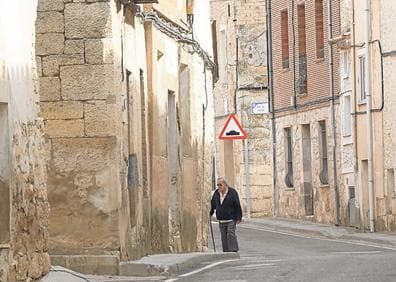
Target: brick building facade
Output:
[(305, 152)]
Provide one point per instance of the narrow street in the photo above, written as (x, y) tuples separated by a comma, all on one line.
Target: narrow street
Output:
[(268, 255), (126, 124)]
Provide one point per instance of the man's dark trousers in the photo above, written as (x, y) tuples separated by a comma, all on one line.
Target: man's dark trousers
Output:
[(228, 237)]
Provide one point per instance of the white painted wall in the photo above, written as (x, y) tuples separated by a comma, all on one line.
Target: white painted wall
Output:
[(17, 28), (202, 27)]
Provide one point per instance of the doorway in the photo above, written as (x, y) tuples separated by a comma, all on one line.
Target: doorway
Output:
[(364, 193), (228, 160)]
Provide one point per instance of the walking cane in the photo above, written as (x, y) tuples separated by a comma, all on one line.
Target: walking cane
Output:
[(211, 232)]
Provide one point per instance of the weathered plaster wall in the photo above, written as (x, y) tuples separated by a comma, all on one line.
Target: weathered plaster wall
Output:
[(136, 230), (180, 199), (23, 240), (388, 39), (175, 10), (355, 151)]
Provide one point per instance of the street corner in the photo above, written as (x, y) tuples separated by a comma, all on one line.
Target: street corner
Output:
[(61, 274)]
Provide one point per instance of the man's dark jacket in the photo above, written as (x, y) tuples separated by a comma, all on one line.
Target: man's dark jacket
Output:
[(231, 207)]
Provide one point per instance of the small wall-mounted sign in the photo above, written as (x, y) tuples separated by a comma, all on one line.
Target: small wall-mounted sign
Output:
[(259, 108)]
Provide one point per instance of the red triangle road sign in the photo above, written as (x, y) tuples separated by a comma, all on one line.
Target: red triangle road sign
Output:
[(232, 129)]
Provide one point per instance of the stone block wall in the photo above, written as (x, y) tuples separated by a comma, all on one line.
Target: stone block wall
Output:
[(291, 200), (241, 27), (80, 105), (30, 207)]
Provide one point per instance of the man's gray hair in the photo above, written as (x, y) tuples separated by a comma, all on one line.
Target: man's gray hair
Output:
[(223, 180)]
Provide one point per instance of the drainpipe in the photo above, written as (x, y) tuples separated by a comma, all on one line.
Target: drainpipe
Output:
[(272, 106), (247, 169), (333, 118), (236, 71), (355, 140), (369, 114)]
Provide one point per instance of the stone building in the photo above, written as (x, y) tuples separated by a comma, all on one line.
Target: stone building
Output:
[(240, 52), (306, 101), (356, 157), (24, 207), (125, 94)]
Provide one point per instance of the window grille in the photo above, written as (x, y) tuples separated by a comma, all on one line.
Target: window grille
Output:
[(289, 158), (323, 175)]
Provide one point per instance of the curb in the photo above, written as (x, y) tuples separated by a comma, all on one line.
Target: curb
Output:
[(376, 241), (340, 232), (156, 266), (291, 229)]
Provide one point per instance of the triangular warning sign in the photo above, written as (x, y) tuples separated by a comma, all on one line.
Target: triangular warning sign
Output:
[(232, 129)]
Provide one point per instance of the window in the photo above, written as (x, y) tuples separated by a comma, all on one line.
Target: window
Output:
[(285, 39), (222, 55), (347, 124), (214, 45), (362, 79), (323, 175), (225, 105), (289, 158), (319, 28), (345, 65), (302, 51), (301, 30)]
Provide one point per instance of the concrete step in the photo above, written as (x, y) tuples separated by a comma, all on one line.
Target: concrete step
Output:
[(170, 264), (89, 264)]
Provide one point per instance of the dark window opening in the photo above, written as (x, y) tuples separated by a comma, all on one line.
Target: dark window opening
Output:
[(289, 158), (323, 175)]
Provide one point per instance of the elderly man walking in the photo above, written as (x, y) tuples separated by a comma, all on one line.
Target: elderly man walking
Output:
[(225, 201)]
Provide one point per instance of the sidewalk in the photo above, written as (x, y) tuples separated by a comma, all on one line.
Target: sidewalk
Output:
[(324, 230), (149, 268)]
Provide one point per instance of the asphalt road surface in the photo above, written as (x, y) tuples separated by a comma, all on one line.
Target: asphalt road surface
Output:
[(268, 255)]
